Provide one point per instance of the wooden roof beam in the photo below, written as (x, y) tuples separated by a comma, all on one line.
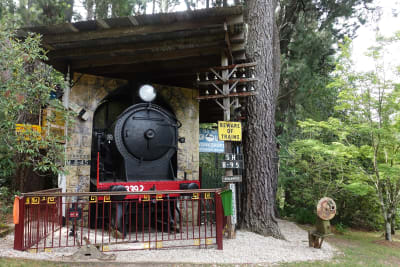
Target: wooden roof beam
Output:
[(190, 64), (71, 27), (102, 24), (130, 31), (154, 46), (133, 20), (161, 56)]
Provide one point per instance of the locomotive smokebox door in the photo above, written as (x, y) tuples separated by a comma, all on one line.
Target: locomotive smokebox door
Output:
[(146, 135)]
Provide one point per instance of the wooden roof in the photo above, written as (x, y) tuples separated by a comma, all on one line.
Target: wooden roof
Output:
[(162, 48)]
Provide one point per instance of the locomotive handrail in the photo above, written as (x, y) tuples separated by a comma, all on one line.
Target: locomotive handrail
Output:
[(118, 193)]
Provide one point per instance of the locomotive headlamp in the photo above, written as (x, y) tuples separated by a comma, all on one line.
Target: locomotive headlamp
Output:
[(147, 92)]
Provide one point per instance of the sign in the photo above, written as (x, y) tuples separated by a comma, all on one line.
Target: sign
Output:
[(28, 131), (232, 179), (74, 213), (229, 131), (230, 156), (209, 141), (232, 164), (234, 214)]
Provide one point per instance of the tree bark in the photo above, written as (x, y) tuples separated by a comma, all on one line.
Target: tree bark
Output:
[(260, 145)]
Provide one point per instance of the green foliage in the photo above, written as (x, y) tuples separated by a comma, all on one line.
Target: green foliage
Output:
[(354, 155), (25, 87), (341, 228), (308, 32), (6, 197)]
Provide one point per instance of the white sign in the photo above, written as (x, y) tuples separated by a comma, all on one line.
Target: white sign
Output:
[(234, 217)]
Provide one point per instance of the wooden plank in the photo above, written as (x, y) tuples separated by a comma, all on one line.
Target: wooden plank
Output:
[(101, 23), (148, 57), (230, 81), (134, 39), (241, 56), (241, 65), (242, 94), (155, 46), (193, 64), (236, 19), (133, 20), (129, 31), (238, 38), (238, 47), (71, 27)]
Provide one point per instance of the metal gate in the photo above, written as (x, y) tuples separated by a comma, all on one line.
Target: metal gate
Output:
[(149, 220)]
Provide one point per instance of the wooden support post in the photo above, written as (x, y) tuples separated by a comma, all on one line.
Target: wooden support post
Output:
[(19, 228), (227, 144)]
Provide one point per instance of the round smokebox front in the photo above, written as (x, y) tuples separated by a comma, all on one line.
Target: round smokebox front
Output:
[(146, 133)]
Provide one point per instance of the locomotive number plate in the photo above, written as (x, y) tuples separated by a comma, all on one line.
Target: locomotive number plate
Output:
[(134, 188)]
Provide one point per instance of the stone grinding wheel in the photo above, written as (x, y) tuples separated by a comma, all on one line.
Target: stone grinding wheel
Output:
[(326, 208)]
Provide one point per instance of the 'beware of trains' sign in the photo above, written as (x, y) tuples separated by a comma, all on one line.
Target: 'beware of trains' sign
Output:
[(229, 131)]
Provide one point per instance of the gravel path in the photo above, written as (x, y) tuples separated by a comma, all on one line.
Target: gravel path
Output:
[(246, 248)]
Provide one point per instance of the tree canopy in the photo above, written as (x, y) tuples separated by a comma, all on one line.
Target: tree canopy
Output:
[(356, 151)]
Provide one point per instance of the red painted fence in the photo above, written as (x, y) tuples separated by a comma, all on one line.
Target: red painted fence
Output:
[(51, 219)]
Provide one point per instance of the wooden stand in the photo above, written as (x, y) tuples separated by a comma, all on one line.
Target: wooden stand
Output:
[(315, 239)]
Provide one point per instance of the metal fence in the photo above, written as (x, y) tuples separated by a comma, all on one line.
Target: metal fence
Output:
[(143, 220)]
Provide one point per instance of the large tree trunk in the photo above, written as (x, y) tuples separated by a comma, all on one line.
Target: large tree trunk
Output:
[(260, 145)]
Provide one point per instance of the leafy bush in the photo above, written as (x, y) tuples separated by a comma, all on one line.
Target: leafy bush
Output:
[(305, 216), (340, 228)]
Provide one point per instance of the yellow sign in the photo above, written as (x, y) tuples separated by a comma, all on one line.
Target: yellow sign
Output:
[(159, 197), (28, 131), (196, 196), (207, 195), (229, 131), (209, 241), (105, 248), (197, 242), (159, 244), (107, 199)]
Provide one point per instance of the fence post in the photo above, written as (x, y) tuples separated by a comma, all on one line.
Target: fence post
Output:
[(218, 217), (19, 228)]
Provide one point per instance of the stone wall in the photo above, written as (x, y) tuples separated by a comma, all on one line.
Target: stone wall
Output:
[(90, 90), (87, 93), (186, 108)]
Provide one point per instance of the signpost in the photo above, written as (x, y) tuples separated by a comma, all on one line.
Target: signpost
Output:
[(230, 131)]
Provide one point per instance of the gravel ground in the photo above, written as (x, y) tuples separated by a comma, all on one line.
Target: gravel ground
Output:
[(246, 248)]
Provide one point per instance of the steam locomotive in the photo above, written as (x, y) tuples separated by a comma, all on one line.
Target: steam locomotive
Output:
[(134, 145)]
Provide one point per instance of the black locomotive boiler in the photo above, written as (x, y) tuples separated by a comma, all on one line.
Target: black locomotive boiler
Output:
[(134, 145)]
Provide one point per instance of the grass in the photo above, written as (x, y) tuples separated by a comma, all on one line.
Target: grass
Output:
[(357, 248)]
